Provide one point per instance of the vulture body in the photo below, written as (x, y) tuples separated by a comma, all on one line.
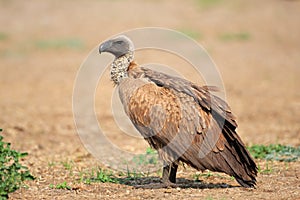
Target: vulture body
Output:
[(181, 120)]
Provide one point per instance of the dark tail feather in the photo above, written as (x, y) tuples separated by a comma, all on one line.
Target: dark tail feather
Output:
[(247, 184), (233, 160), (241, 163)]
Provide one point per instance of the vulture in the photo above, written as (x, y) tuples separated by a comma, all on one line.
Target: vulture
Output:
[(183, 121)]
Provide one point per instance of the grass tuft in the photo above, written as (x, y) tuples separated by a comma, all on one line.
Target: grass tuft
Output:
[(67, 165), (99, 175), (150, 157), (62, 185), (209, 174), (267, 169)]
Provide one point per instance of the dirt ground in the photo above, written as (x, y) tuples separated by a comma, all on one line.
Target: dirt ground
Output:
[(255, 45)]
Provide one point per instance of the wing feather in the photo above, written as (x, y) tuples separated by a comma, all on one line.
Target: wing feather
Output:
[(185, 122)]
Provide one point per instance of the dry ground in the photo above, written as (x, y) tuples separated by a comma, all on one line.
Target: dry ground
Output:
[(254, 43)]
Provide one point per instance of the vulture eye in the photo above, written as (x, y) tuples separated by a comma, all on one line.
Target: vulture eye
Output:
[(119, 42)]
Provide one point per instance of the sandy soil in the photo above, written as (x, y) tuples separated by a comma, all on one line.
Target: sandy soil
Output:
[(43, 43)]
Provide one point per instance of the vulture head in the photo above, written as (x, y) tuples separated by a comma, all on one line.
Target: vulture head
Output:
[(117, 46)]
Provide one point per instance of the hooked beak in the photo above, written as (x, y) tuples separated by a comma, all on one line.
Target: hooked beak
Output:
[(105, 46)]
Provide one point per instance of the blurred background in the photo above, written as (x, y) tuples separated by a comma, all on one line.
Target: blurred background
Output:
[(255, 45)]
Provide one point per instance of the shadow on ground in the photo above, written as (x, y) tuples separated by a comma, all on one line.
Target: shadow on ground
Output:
[(180, 183)]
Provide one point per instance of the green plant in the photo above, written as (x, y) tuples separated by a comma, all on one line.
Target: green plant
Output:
[(67, 164), (275, 152), (99, 175), (205, 175), (196, 177), (134, 175), (150, 157), (209, 174), (12, 173), (268, 169), (62, 185), (129, 176)]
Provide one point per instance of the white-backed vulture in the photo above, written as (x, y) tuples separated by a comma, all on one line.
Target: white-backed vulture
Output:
[(181, 120)]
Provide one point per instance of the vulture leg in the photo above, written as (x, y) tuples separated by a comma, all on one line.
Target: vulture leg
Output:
[(168, 178), (169, 173)]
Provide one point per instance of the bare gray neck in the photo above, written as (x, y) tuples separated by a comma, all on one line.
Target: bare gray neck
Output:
[(119, 67)]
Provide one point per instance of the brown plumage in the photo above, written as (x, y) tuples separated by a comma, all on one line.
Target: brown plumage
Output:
[(181, 120)]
